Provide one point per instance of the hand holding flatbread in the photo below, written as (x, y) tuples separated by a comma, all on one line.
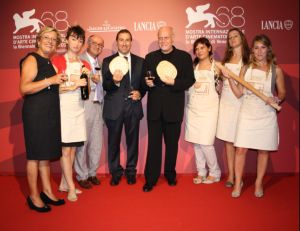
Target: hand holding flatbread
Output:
[(166, 70), (119, 63)]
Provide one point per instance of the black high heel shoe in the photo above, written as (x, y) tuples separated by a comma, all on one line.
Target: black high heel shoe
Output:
[(48, 200), (44, 209)]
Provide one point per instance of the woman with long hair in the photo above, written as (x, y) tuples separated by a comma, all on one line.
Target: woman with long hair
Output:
[(257, 126), (237, 54)]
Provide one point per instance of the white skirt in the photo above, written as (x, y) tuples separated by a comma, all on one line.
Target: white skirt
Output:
[(257, 127), (73, 125)]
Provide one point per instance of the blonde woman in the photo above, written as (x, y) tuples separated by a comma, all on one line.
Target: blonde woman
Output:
[(41, 118), (257, 126)]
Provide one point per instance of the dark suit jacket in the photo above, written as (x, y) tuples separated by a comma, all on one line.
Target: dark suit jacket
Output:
[(168, 101), (115, 97)]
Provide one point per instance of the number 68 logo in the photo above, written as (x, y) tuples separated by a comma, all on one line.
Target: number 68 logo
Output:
[(233, 17), (57, 20)]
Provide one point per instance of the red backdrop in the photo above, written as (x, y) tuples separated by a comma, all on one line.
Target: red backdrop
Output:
[(278, 20)]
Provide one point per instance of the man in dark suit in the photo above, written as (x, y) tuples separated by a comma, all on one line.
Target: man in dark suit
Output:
[(122, 106), (165, 107)]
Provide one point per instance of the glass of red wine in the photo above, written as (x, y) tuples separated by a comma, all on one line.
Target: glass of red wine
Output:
[(149, 75)]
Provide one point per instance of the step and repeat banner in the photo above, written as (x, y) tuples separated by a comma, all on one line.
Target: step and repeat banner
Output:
[(191, 19)]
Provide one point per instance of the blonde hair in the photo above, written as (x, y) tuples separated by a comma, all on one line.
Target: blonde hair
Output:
[(47, 29)]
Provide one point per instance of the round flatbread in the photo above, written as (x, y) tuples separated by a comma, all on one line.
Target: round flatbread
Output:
[(164, 69), (119, 63)]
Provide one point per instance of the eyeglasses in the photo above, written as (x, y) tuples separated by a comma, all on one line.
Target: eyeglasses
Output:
[(48, 39), (97, 44)]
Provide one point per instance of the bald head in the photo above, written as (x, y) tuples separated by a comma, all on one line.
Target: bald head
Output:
[(166, 39), (166, 29), (95, 45)]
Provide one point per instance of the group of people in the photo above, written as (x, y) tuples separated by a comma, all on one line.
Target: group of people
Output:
[(59, 124), (238, 117)]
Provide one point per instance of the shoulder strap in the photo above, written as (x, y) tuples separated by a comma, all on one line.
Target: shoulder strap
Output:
[(273, 80), (246, 68)]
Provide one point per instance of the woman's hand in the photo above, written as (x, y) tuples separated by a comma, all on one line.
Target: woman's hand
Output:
[(197, 85), (80, 83), (58, 79), (272, 100)]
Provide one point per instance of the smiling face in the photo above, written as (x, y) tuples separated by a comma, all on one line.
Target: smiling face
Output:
[(95, 46), (48, 42), (260, 51), (166, 39), (124, 42), (202, 51)]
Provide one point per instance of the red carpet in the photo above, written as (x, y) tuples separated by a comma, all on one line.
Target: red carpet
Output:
[(185, 207)]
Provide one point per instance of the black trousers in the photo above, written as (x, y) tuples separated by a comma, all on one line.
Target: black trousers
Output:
[(115, 127), (157, 131)]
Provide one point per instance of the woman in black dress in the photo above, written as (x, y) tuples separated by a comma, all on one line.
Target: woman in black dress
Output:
[(41, 117)]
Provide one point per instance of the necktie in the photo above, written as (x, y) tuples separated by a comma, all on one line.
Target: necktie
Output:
[(127, 76)]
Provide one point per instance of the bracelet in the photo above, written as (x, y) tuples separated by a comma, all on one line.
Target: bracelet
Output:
[(277, 100), (48, 84)]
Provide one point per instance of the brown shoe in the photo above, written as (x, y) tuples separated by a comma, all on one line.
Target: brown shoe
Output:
[(85, 184), (94, 180)]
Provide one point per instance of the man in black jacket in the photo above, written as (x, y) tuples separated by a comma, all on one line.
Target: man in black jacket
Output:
[(122, 106), (165, 107)]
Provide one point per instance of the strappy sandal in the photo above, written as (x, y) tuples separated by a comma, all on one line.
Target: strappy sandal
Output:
[(229, 184), (211, 179), (62, 189), (199, 179)]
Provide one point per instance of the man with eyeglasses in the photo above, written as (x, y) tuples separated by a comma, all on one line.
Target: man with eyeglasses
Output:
[(87, 158), (165, 107)]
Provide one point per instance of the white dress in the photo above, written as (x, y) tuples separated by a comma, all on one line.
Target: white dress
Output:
[(229, 108), (73, 127), (202, 109), (257, 126)]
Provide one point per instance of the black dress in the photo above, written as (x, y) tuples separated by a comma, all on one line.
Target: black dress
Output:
[(41, 116)]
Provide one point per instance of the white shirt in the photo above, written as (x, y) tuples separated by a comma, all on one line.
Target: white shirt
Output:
[(96, 87)]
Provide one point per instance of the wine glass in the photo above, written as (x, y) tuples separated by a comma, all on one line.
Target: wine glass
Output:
[(149, 75), (65, 75), (97, 72)]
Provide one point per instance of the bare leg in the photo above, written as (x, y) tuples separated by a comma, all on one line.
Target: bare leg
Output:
[(240, 157), (32, 176), (230, 154), (262, 164), (44, 170), (66, 165)]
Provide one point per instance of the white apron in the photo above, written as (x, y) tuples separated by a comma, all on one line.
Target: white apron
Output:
[(229, 108), (202, 109), (73, 128), (257, 126)]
